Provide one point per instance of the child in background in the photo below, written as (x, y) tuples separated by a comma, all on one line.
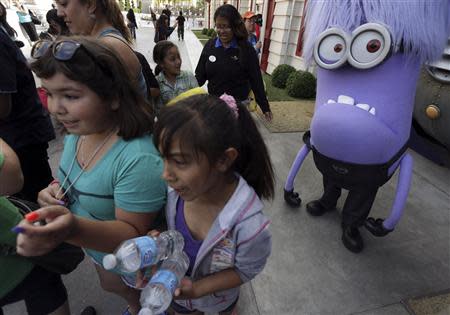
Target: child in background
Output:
[(218, 167), (110, 171), (172, 81)]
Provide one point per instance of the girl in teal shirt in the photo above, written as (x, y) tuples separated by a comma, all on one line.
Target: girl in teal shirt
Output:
[(109, 186)]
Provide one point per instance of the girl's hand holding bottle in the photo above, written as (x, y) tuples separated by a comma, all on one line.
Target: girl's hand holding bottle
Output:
[(186, 290), (142, 277)]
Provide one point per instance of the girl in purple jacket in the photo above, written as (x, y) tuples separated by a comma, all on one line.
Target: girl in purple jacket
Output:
[(218, 167)]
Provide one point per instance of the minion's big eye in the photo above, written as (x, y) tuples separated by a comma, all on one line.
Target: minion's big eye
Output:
[(370, 45), (330, 50)]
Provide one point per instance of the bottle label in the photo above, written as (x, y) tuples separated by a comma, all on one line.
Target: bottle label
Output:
[(166, 278), (147, 249)]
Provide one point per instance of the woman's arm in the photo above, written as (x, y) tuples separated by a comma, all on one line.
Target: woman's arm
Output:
[(200, 70), (105, 236), (11, 177), (256, 81), (63, 226)]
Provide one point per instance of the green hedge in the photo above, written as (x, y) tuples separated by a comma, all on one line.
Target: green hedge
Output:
[(280, 75), (301, 84)]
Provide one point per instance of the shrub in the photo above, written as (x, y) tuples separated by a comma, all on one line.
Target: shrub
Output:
[(213, 34), (280, 75), (301, 84), (204, 31), (210, 31)]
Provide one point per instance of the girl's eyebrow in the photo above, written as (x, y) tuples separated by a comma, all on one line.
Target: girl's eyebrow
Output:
[(178, 154)]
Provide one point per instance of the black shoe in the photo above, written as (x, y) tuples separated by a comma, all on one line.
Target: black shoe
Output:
[(376, 227), (89, 310), (352, 239), (292, 198), (316, 209)]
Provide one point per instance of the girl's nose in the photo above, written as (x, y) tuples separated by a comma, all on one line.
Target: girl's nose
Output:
[(167, 174), (55, 107)]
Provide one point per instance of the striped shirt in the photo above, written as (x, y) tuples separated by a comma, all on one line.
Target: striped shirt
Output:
[(184, 82)]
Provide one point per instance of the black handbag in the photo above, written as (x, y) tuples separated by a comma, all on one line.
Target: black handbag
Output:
[(63, 259)]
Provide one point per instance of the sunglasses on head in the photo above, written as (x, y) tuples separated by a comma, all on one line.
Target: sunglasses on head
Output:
[(62, 50)]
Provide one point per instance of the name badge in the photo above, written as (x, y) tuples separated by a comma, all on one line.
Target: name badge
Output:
[(212, 58), (223, 255)]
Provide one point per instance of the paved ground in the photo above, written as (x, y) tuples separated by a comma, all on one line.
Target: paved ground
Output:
[(309, 271)]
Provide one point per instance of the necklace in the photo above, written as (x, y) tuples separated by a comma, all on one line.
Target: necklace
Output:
[(83, 166)]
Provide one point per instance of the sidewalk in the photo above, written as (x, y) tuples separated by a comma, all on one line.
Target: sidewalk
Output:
[(190, 49), (309, 271)]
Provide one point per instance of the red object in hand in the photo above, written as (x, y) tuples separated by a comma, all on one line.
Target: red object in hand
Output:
[(257, 31), (32, 216), (43, 97)]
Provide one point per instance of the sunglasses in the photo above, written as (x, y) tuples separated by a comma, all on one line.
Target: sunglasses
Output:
[(63, 50)]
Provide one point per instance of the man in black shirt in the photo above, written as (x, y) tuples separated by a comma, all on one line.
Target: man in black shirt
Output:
[(24, 124), (180, 22)]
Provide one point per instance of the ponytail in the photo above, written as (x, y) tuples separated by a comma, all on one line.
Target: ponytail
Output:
[(206, 124), (114, 16), (158, 70), (253, 162)]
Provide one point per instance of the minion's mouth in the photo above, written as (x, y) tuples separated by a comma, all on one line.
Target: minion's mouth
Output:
[(348, 100)]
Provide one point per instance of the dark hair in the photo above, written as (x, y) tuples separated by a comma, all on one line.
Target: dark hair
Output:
[(160, 52), (237, 25), (52, 15), (111, 10), (3, 22), (181, 12), (204, 124), (102, 72)]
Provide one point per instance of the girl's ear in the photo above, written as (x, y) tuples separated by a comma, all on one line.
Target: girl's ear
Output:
[(92, 6), (229, 156)]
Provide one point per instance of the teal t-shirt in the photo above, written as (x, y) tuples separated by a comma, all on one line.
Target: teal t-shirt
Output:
[(128, 176)]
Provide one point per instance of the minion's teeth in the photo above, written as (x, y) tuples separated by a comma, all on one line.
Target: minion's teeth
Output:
[(344, 99), (365, 107)]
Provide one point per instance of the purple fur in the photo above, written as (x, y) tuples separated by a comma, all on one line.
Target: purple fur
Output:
[(421, 25)]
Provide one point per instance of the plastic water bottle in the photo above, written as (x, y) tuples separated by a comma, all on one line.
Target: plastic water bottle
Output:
[(157, 295), (144, 251)]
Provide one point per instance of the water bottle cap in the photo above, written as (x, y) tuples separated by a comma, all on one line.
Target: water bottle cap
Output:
[(109, 262)]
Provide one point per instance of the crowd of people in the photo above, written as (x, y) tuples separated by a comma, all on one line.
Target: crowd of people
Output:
[(134, 160)]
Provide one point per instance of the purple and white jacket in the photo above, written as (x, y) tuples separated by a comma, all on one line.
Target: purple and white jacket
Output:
[(239, 238)]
